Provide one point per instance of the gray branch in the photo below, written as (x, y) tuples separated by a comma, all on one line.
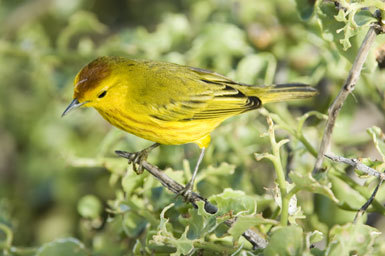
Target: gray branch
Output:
[(256, 240), (368, 203), (343, 94), (356, 164)]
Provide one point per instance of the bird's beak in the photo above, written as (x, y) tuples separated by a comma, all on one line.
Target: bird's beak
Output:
[(73, 105)]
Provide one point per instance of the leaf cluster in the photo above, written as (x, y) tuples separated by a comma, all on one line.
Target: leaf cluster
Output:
[(63, 192)]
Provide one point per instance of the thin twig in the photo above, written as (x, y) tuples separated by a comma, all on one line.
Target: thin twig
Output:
[(356, 164), (368, 203), (256, 240), (169, 183), (343, 94)]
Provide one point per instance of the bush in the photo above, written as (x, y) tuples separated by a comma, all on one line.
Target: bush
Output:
[(64, 192)]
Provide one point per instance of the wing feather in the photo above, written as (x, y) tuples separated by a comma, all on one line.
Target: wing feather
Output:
[(200, 94)]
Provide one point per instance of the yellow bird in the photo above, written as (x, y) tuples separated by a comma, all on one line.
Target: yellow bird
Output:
[(169, 103)]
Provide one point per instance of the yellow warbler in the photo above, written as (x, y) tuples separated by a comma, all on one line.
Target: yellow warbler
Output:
[(168, 103)]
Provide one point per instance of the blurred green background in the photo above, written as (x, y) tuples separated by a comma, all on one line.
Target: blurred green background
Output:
[(49, 164)]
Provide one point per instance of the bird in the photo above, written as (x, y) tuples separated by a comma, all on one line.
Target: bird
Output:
[(169, 104)]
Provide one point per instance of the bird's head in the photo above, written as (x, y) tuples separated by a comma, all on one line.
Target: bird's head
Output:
[(96, 84)]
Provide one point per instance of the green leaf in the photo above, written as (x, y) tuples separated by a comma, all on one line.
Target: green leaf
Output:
[(178, 176), (163, 220), (313, 237), (378, 138), (131, 181), (285, 241), (305, 181), (164, 236), (245, 222), (115, 165), (329, 25), (254, 66), (133, 224), (212, 173), (199, 221), (63, 247), (138, 247), (339, 27), (6, 236), (89, 206), (364, 17), (347, 196), (80, 22), (305, 8), (302, 119), (217, 45), (183, 245), (221, 230), (352, 239), (234, 202)]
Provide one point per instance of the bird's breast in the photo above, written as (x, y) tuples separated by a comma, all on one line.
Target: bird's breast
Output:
[(163, 132)]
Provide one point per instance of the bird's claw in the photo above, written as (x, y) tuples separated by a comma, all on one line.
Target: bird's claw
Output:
[(186, 192), (139, 158)]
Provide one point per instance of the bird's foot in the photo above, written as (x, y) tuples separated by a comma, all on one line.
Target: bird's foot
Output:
[(187, 194), (138, 159), (186, 191)]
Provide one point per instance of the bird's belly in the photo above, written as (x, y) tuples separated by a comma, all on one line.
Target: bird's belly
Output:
[(174, 133), (163, 132)]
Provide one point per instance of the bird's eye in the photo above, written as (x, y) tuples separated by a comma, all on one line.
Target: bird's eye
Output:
[(102, 94)]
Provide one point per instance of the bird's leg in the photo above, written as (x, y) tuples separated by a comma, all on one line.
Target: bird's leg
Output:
[(142, 156), (190, 185)]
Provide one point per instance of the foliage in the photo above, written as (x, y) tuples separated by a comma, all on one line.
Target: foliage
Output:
[(63, 192)]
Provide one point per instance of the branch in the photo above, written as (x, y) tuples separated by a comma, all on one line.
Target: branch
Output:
[(343, 94), (368, 203), (356, 164), (257, 241)]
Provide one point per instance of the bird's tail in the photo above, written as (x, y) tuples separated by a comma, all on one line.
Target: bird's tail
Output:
[(282, 92)]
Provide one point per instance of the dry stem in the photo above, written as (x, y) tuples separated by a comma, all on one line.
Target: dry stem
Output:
[(343, 94)]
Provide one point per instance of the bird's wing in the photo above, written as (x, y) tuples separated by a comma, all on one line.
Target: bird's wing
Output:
[(196, 94)]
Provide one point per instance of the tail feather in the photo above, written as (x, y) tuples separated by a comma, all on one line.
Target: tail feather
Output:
[(284, 92)]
